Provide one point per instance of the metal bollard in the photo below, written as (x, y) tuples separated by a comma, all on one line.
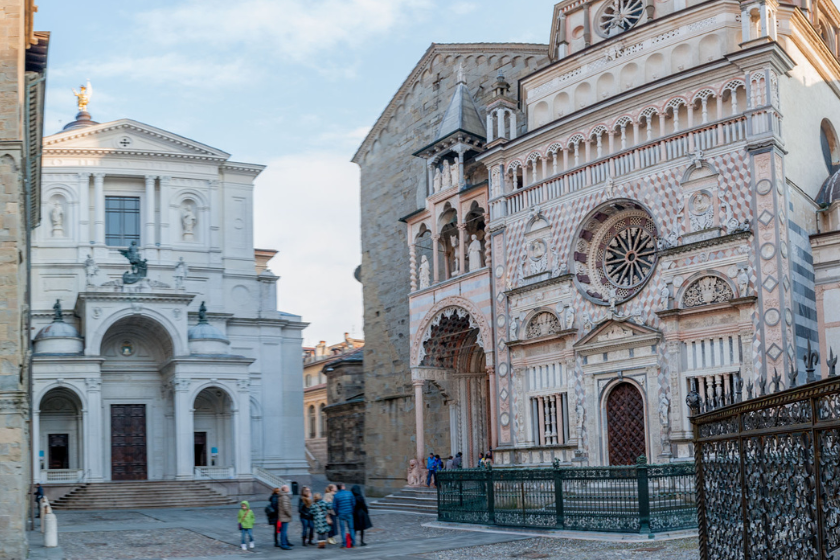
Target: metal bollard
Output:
[(51, 531)]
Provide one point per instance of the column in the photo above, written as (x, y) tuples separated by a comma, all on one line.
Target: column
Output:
[(494, 434), (418, 421), (36, 446), (500, 122), (435, 272), (165, 239), (150, 211), (99, 211), (489, 127), (461, 179), (84, 208), (412, 262), (462, 233), (745, 24), (242, 431), (512, 125), (184, 437), (541, 421), (92, 429), (762, 10)]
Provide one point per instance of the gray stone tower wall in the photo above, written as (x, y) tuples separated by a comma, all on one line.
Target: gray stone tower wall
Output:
[(393, 185)]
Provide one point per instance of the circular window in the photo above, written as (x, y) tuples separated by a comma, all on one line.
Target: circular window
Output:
[(615, 252), (618, 16)]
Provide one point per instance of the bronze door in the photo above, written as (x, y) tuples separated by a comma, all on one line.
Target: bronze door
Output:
[(59, 455), (625, 425), (128, 442)]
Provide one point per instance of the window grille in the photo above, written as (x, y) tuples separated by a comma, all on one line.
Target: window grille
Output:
[(550, 419)]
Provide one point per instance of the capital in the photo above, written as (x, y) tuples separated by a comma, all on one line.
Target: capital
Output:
[(99, 176), (418, 382), (150, 178)]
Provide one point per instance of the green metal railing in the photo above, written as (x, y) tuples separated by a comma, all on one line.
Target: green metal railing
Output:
[(635, 499)]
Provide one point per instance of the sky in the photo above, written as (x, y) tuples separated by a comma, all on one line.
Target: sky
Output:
[(291, 84)]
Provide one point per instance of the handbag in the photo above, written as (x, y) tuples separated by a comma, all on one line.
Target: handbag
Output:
[(240, 526)]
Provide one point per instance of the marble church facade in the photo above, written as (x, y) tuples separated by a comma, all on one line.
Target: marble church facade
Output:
[(184, 369), (628, 217)]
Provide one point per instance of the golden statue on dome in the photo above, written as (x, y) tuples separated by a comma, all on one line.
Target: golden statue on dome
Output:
[(83, 96)]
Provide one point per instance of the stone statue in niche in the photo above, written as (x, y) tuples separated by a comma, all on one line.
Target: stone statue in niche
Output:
[(91, 270), (425, 274), (181, 270), (455, 175), (743, 280), (536, 257), (456, 265), (514, 329), (438, 180), (701, 211), (446, 176), (664, 410), (569, 317), (188, 221), (475, 253), (57, 219)]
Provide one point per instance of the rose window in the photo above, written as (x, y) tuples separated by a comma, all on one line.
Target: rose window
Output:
[(615, 252), (630, 255), (618, 16)]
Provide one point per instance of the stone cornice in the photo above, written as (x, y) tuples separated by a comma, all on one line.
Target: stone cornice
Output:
[(702, 309), (560, 335), (738, 236), (127, 153), (541, 284), (156, 297)]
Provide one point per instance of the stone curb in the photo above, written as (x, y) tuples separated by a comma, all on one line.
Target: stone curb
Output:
[(559, 534)]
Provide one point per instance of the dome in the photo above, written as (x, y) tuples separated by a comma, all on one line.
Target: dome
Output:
[(204, 338), (58, 337), (82, 120), (830, 190)]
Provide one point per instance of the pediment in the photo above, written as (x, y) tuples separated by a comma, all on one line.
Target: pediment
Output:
[(617, 332), (128, 137)]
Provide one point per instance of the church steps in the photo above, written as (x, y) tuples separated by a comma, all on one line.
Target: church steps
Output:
[(141, 495), (411, 499)]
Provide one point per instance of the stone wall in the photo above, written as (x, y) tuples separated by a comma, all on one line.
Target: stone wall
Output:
[(345, 414), (393, 185), (14, 408)]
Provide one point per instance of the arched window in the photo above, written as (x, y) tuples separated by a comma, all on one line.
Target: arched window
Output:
[(323, 418), (830, 148), (312, 421), (308, 381)]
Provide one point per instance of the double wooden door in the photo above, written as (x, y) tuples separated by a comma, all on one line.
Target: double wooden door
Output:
[(625, 425), (128, 442)]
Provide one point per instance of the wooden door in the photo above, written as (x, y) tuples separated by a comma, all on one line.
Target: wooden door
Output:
[(625, 425), (59, 451), (128, 442), (200, 448)]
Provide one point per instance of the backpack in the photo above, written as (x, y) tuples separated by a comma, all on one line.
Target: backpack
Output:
[(270, 511)]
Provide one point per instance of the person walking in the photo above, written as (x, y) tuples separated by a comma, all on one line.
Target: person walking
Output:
[(343, 504), (361, 519), (246, 524), (284, 517), (328, 498), (304, 510), (272, 510), (320, 518), (450, 463)]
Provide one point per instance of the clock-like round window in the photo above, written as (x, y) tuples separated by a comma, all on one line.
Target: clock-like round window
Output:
[(614, 252), (618, 16)]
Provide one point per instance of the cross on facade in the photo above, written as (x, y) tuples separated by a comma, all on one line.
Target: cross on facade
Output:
[(125, 142)]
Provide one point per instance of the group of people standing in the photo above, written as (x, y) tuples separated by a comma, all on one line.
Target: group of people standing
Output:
[(434, 464), (335, 513)]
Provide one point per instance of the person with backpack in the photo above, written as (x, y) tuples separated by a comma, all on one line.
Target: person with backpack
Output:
[(305, 512), (246, 524), (272, 511)]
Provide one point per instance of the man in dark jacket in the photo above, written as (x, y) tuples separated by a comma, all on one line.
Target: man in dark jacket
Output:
[(284, 516), (456, 462), (343, 504)]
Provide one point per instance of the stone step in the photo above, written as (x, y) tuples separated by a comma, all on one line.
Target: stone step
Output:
[(141, 495)]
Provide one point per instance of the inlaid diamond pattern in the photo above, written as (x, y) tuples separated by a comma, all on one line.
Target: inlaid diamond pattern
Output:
[(770, 283), (774, 351), (765, 217)]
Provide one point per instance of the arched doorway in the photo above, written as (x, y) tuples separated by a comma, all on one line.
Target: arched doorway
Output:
[(625, 424), (60, 434), (452, 388), (213, 429), (138, 417)]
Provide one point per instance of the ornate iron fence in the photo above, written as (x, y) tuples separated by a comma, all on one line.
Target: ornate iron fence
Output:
[(768, 473), (638, 499)]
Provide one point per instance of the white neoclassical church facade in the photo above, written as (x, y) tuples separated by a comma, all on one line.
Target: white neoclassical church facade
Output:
[(132, 379)]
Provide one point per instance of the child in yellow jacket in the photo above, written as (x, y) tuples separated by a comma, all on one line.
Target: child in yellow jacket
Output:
[(246, 524)]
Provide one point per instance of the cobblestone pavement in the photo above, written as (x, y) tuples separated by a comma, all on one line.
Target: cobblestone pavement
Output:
[(155, 543), (209, 533), (683, 549)]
